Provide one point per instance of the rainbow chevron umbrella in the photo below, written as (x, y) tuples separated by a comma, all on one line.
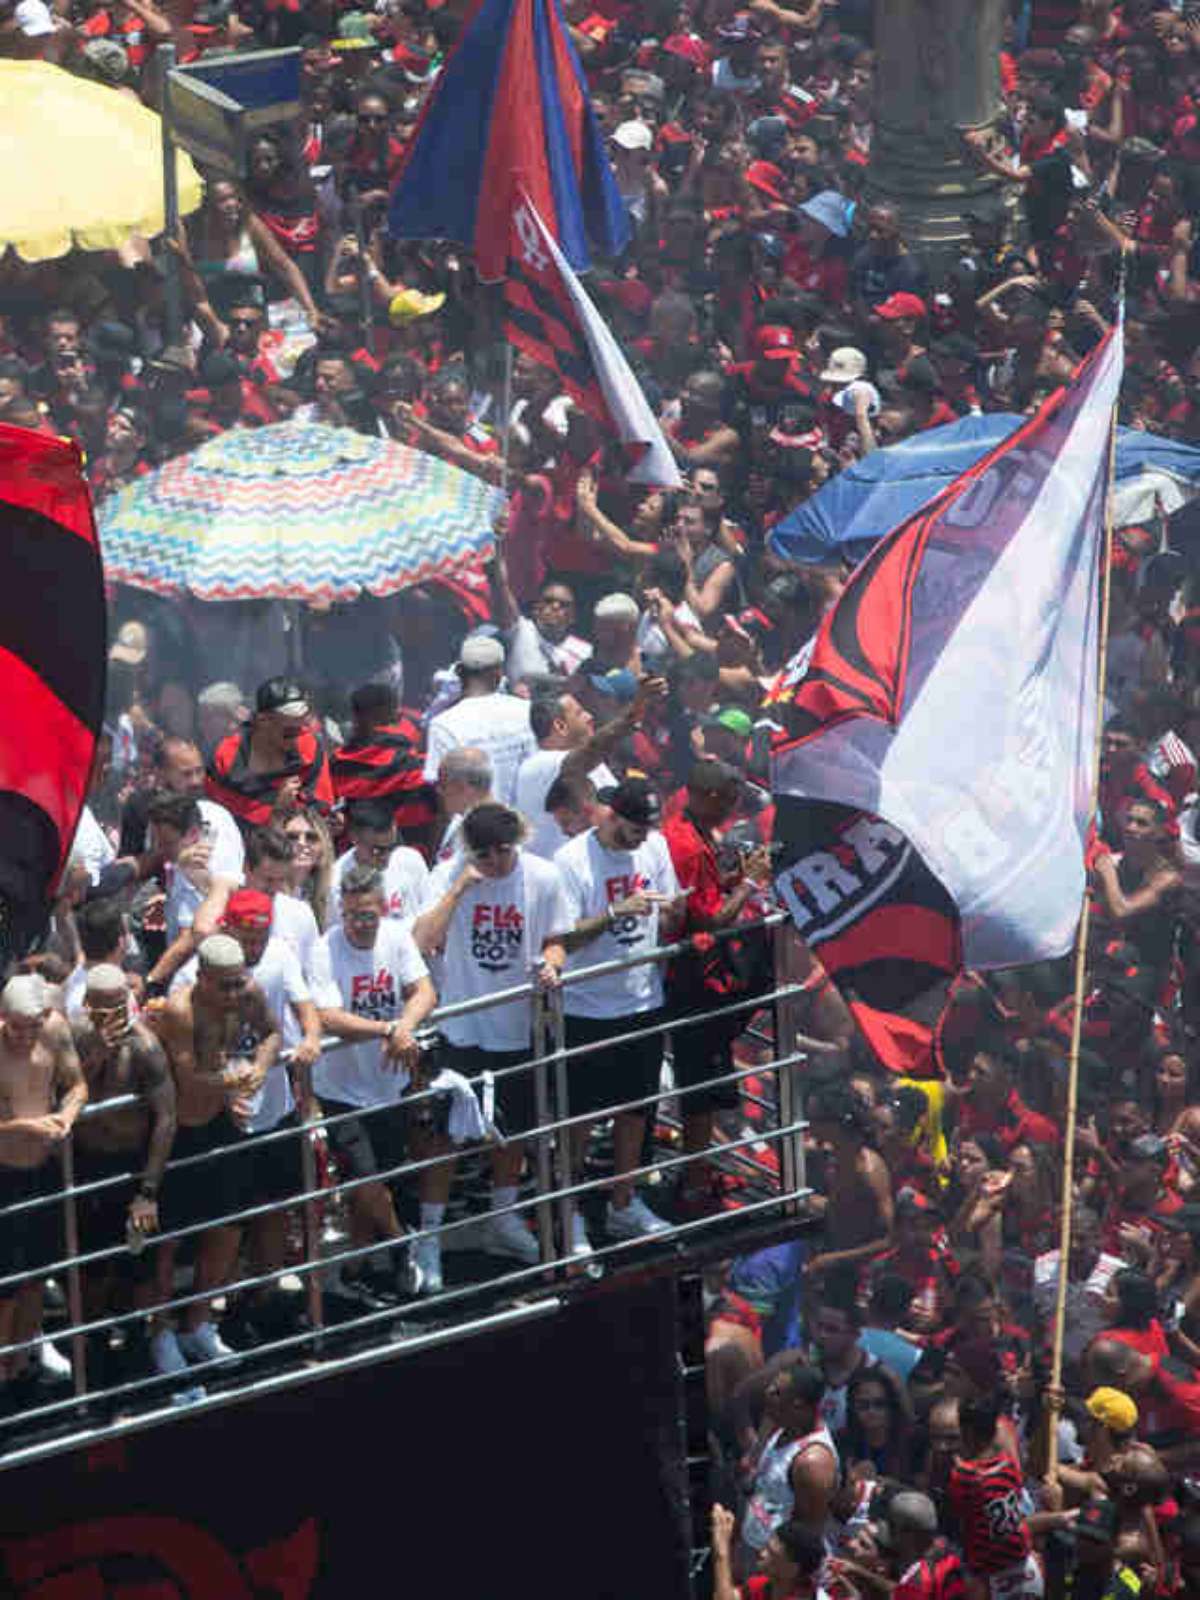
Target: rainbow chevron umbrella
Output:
[(296, 511)]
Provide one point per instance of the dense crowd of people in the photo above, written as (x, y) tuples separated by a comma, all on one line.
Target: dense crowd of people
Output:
[(326, 820)]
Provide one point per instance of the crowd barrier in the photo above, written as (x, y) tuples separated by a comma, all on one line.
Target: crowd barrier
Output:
[(770, 1022)]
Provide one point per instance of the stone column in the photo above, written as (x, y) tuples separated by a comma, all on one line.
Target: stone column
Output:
[(937, 72)]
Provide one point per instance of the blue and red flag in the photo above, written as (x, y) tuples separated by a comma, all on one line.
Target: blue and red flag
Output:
[(510, 113)]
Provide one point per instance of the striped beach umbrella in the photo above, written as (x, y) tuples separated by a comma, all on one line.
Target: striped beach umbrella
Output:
[(296, 511)]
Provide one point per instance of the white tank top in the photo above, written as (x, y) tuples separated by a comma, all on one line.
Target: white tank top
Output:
[(771, 1500)]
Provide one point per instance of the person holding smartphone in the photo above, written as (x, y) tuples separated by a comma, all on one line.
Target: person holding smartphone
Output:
[(624, 900)]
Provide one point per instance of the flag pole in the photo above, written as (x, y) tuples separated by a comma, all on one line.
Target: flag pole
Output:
[(506, 433), (1081, 944)]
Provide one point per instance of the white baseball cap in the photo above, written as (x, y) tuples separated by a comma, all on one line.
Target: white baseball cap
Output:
[(480, 652), (632, 136), (845, 365), (33, 18)]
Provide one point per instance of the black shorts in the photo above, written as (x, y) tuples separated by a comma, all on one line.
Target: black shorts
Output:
[(210, 1189), (604, 1078), (704, 1049), (369, 1141), (276, 1165), (102, 1216), (32, 1238), (516, 1094)]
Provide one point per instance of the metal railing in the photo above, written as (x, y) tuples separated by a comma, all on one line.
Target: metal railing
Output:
[(556, 1190)]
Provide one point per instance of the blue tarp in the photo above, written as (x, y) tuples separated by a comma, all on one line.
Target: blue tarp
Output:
[(846, 517)]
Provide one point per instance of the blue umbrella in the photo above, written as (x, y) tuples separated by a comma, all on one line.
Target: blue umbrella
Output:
[(852, 511)]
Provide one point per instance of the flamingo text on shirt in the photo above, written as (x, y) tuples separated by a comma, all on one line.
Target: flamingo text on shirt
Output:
[(497, 936), (373, 995)]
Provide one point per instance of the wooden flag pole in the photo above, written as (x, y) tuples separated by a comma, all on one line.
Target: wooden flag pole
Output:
[(1081, 945)]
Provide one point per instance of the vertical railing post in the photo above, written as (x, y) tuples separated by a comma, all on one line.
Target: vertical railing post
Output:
[(74, 1277), (791, 1155), (310, 1212), (556, 1045), (541, 1089)]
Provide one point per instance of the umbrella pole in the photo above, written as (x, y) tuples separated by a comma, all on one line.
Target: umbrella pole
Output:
[(172, 298), (1054, 1397)]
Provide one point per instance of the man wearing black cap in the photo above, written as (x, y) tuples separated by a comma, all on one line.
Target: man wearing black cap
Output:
[(276, 764), (623, 899), (1143, 1198)]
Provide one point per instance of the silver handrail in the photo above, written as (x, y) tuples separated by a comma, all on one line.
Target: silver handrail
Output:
[(555, 1191)]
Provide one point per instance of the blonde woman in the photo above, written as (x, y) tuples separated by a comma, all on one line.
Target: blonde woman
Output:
[(312, 865)]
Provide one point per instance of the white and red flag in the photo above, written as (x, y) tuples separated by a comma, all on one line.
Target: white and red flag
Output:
[(944, 716)]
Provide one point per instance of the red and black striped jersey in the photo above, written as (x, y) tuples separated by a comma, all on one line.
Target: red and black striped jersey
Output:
[(250, 796), (388, 765), (986, 1496)]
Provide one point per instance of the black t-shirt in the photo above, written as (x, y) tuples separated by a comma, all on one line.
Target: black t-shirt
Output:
[(876, 278)]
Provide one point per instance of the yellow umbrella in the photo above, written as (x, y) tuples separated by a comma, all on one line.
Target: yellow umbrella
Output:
[(80, 164)]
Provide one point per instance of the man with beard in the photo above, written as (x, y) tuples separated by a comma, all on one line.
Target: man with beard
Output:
[(221, 1042), (131, 1143)]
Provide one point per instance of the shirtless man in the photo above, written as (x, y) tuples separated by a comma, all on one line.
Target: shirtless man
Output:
[(221, 1042), (120, 1057), (41, 1093), (858, 1210)]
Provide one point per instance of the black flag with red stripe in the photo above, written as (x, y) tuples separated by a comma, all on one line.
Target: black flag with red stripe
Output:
[(52, 664), (541, 321), (880, 923)]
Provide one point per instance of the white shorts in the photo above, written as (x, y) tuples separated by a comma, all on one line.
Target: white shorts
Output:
[(1023, 1581)]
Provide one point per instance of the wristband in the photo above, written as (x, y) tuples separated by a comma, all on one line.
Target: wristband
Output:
[(155, 988)]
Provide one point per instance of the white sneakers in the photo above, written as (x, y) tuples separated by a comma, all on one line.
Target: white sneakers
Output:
[(203, 1343), (633, 1221), (165, 1352), (53, 1363), (426, 1256), (505, 1234), (168, 1358), (581, 1245)]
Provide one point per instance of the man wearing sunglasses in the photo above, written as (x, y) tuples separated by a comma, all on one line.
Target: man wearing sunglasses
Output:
[(494, 915), (375, 844), (221, 1042), (374, 991)]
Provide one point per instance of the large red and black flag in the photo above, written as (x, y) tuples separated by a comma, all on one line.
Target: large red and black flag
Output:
[(52, 661), (934, 784)]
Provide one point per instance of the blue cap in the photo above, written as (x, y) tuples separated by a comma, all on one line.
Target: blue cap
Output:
[(831, 209), (620, 683)]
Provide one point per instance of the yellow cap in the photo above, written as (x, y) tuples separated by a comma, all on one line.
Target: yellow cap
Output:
[(1114, 1409), (410, 304)]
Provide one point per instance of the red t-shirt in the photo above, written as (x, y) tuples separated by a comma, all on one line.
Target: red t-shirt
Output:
[(1151, 1341), (1014, 1124), (695, 863)]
